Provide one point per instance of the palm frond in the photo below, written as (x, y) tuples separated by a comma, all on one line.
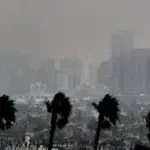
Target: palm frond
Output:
[(10, 116), (63, 107), (7, 112), (148, 136), (57, 98), (61, 123), (109, 107), (2, 125), (105, 124), (48, 106), (95, 106), (8, 124), (141, 147), (147, 119)]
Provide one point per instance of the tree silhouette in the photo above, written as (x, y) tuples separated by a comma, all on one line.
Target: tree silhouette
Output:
[(141, 147), (60, 109), (7, 112), (147, 119), (108, 110)]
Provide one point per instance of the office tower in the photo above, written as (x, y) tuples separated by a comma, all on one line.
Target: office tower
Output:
[(18, 82), (104, 74), (140, 58), (62, 80), (122, 46), (93, 74), (18, 69), (147, 82), (74, 67), (46, 74), (122, 42)]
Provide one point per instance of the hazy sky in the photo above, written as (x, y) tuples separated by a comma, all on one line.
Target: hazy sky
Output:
[(57, 28)]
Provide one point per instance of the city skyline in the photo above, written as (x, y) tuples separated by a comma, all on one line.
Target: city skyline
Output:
[(57, 28), (74, 74)]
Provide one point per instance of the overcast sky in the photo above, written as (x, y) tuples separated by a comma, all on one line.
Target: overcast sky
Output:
[(57, 28)]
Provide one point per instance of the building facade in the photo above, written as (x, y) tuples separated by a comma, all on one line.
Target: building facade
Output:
[(104, 74), (93, 74), (46, 73), (72, 66), (140, 70), (129, 66), (122, 47), (62, 80)]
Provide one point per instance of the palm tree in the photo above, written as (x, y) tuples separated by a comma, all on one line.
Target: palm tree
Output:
[(108, 110), (147, 120), (141, 147), (60, 109), (7, 112)]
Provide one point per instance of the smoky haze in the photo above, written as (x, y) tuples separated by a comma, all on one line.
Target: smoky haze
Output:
[(85, 49), (58, 28)]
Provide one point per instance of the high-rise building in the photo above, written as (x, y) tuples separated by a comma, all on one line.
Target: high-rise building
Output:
[(139, 70), (19, 82), (73, 66), (19, 72), (122, 42), (104, 73), (147, 82), (122, 46), (62, 80), (47, 73), (93, 74)]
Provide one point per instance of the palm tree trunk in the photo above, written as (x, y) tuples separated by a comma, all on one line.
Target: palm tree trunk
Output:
[(98, 130), (52, 130)]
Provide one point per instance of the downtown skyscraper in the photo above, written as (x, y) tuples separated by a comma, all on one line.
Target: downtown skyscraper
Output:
[(73, 66), (122, 46)]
